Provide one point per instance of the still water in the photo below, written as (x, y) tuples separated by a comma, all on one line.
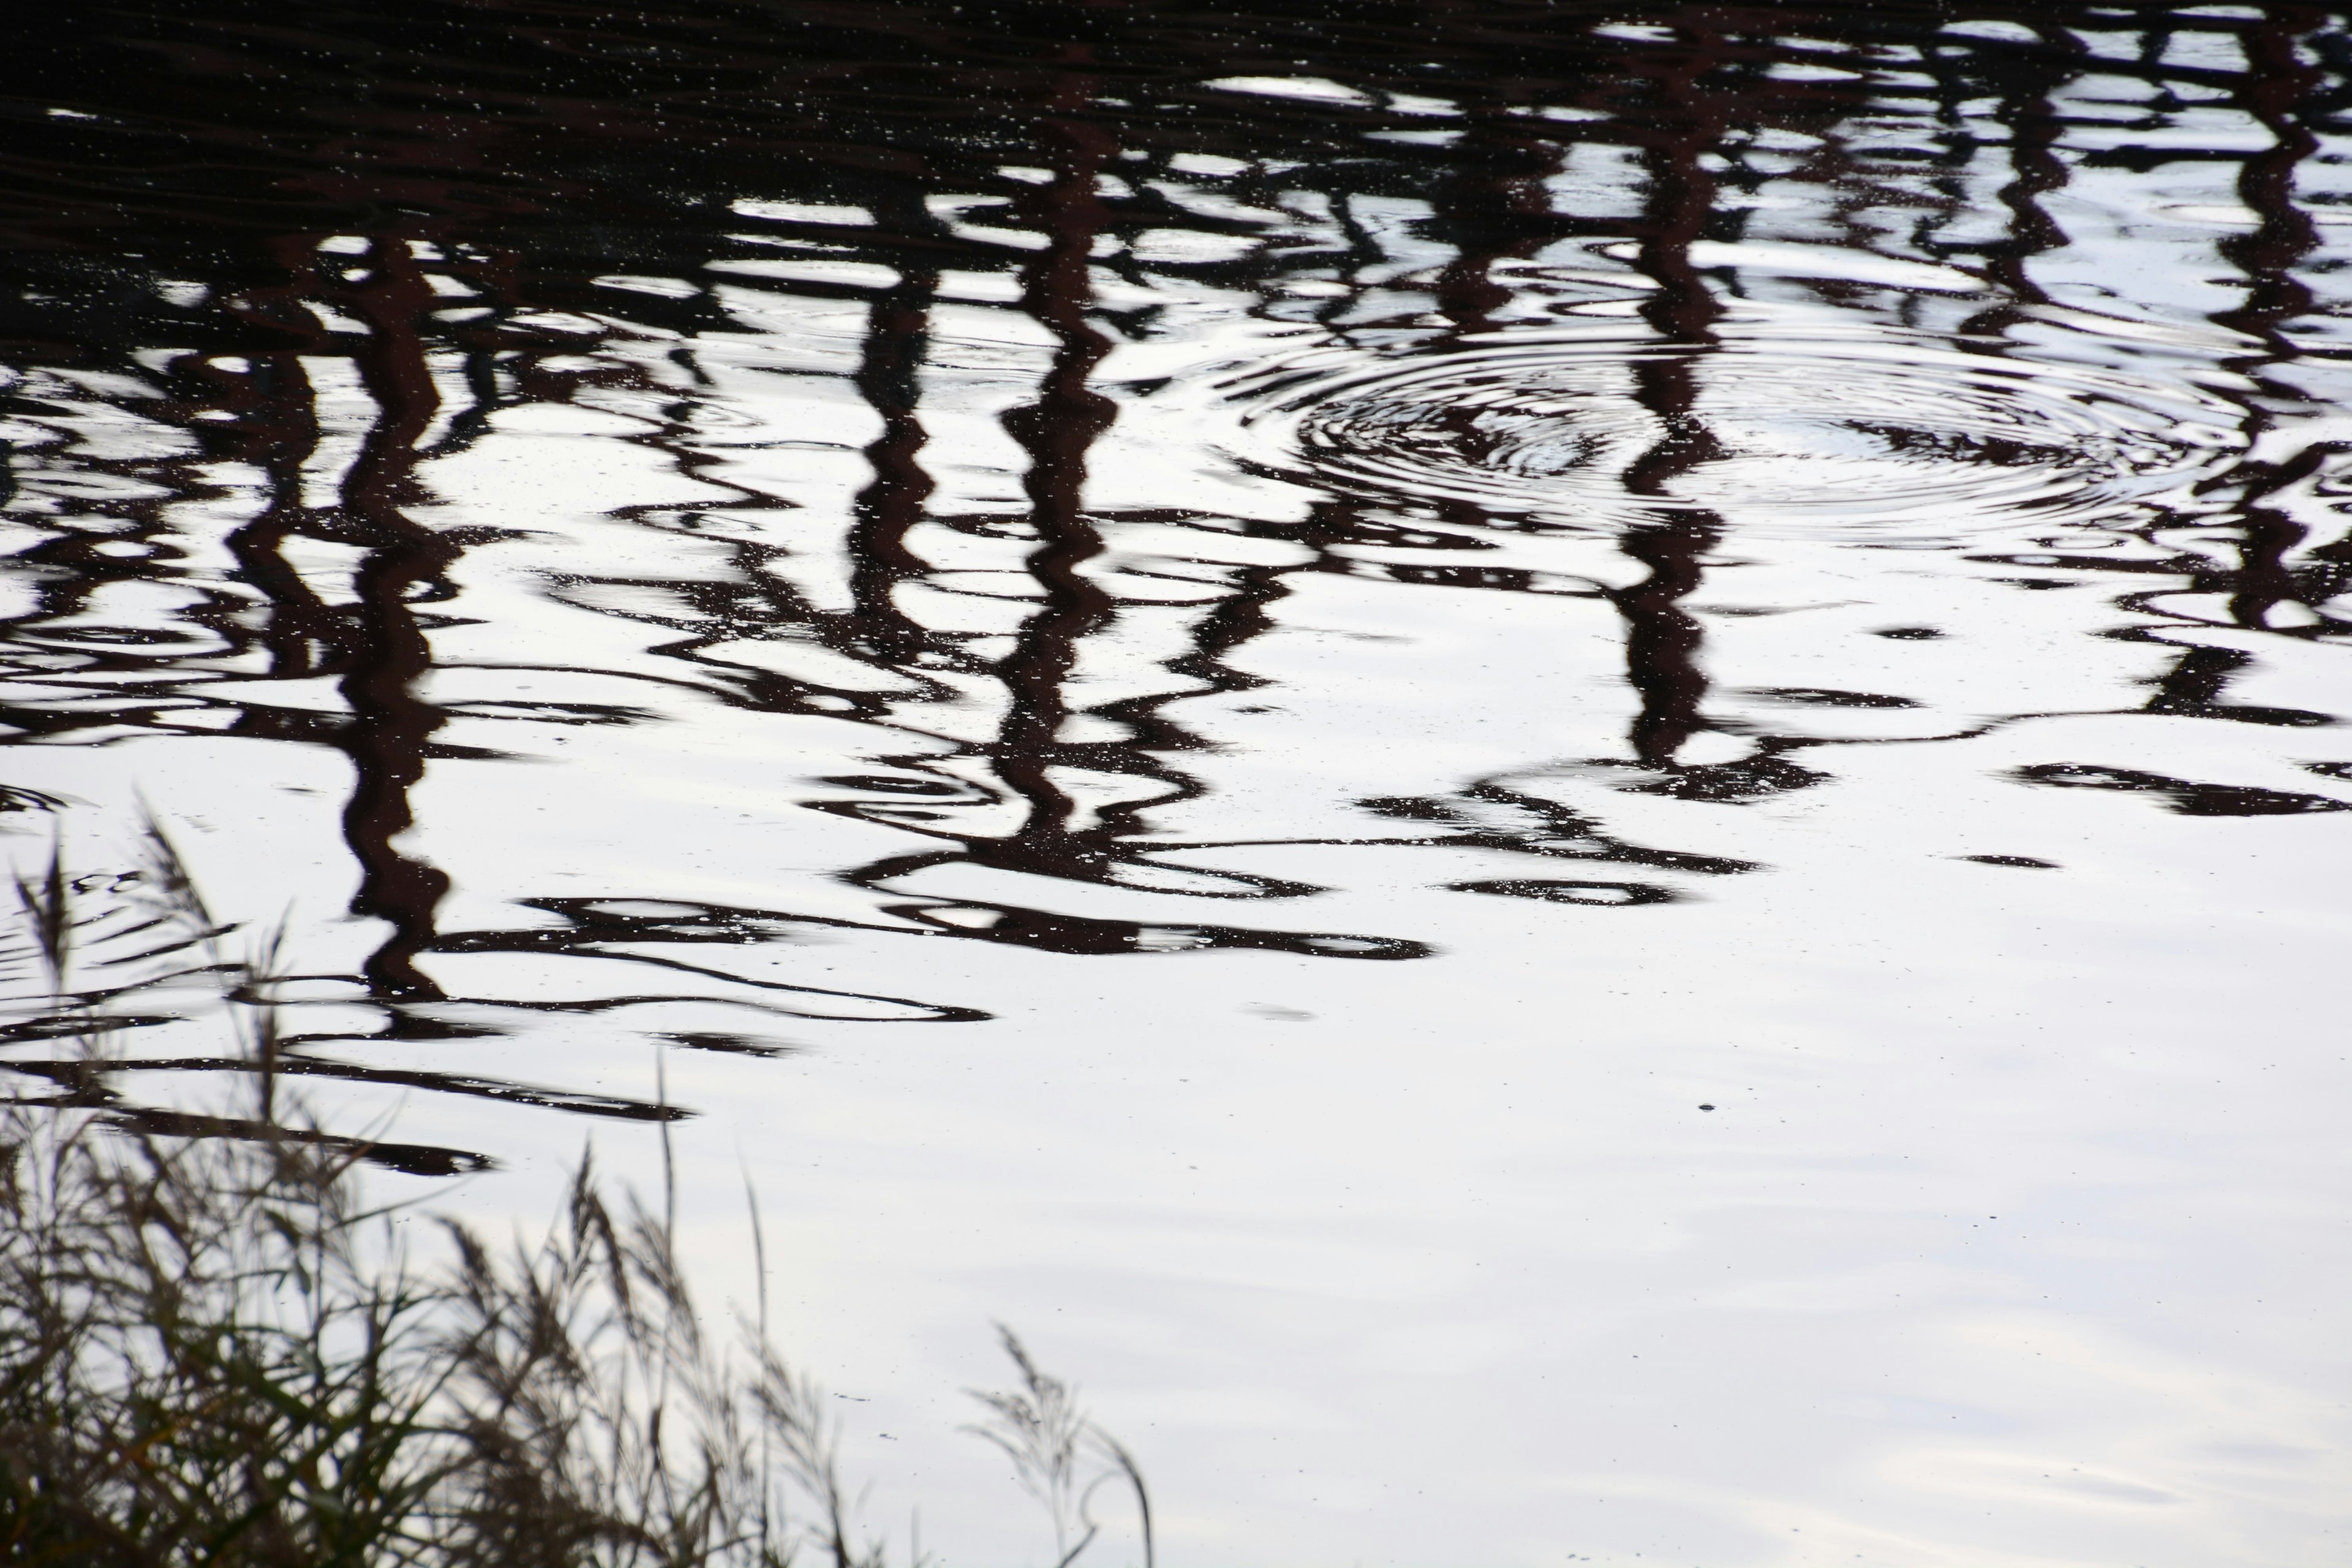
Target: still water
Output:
[(1567, 778)]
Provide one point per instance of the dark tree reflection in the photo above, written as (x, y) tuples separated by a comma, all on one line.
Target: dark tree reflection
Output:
[(265, 274)]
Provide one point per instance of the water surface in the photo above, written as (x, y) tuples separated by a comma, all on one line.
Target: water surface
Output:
[(1568, 778)]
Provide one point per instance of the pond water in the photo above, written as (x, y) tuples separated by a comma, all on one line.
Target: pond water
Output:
[(1569, 779)]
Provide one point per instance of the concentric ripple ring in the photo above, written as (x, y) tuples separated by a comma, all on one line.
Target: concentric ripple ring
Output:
[(1787, 428)]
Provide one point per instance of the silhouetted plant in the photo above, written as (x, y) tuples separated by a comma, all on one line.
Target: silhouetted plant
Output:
[(215, 1351), (1058, 1454), (47, 911)]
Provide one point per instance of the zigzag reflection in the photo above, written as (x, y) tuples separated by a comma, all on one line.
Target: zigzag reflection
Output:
[(227, 478)]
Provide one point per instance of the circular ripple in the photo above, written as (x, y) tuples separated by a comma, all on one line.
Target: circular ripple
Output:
[(1781, 428)]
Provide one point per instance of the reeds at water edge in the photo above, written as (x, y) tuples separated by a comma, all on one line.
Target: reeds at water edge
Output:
[(214, 1350)]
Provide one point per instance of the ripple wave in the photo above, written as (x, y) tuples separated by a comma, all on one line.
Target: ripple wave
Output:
[(1782, 428)]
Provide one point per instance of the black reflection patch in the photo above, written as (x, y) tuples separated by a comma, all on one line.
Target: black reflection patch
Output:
[(733, 1044), (73, 1025), (1490, 816), (412, 1159), (126, 636), (1600, 894), (595, 923), (2329, 770), (1825, 697), (1962, 446), (2026, 862), (591, 924), (1079, 936), (1730, 783), (1909, 634), (2193, 688), (891, 784), (1362, 531), (2248, 714), (2187, 797), (550, 712), (1411, 808), (77, 1077)]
